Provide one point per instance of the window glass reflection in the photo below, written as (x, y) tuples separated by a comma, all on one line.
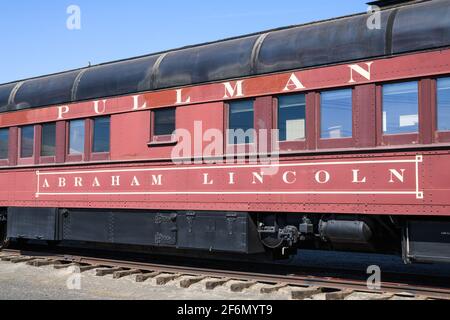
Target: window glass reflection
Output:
[(101, 139), (443, 101), (76, 137), (27, 142), (164, 122), (336, 114), (401, 108), (4, 144), (48, 145), (241, 122), (292, 117)]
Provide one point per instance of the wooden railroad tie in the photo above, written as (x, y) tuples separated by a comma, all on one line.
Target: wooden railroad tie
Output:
[(186, 283), (273, 288), (43, 263), (145, 276), (86, 268), (125, 273), (304, 293), (213, 284), (166, 278), (7, 258), (241, 286), (382, 297), (101, 272), (22, 259), (338, 295), (65, 266)]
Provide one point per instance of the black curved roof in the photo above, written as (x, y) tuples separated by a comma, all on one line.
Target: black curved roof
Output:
[(419, 26)]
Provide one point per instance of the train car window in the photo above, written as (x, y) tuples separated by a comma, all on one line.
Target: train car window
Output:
[(292, 117), (401, 108), (102, 132), (164, 122), (27, 142), (443, 104), (336, 114), (241, 121), (76, 137), (48, 143), (4, 143)]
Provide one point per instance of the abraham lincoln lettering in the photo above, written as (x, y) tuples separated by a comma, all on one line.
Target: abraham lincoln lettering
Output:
[(211, 178)]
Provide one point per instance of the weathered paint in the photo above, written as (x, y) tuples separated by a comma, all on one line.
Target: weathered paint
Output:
[(382, 70), (398, 184), (388, 182)]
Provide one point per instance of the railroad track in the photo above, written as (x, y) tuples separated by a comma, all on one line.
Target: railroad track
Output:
[(299, 287)]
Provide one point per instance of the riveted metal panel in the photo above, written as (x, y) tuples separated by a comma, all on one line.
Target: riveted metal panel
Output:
[(116, 78), (428, 241), (51, 90), (83, 225), (33, 223), (212, 231), (423, 26), (323, 43), (219, 61), (131, 227), (5, 92), (217, 231)]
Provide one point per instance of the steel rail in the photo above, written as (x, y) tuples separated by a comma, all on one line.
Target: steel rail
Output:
[(334, 283)]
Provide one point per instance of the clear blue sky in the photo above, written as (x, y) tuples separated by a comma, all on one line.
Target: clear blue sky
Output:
[(35, 40)]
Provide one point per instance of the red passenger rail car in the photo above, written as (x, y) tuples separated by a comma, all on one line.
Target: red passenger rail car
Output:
[(330, 135)]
